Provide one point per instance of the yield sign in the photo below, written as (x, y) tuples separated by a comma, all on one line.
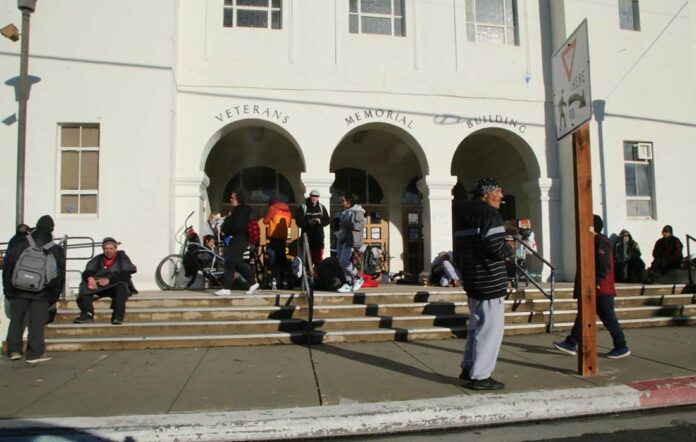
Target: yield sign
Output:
[(570, 71), (568, 57)]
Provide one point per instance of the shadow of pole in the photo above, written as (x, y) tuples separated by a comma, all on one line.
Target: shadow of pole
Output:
[(598, 107)]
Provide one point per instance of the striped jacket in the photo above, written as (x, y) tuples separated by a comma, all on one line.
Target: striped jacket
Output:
[(481, 250)]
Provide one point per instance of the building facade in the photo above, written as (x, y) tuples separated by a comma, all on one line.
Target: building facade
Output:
[(141, 112)]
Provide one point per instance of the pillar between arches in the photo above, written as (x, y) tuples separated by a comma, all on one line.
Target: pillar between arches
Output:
[(437, 219), (544, 198), (189, 195), (321, 183)]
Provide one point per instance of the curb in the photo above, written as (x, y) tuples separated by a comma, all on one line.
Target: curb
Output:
[(373, 418)]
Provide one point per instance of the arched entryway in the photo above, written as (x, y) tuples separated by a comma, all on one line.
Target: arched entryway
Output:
[(261, 159), (501, 154), (378, 162)]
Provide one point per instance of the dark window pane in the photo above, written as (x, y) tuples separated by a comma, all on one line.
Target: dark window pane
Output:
[(69, 170), (509, 12), (70, 137), (227, 20), (470, 15), (285, 189), (353, 7), (631, 180), (353, 27), (642, 180), (626, 14), (90, 137), (375, 194), (252, 19), (399, 7), (399, 27), (229, 2), (373, 25), (375, 6), (252, 3), (276, 22), (88, 204), (89, 175), (628, 151), (275, 3), (357, 184)]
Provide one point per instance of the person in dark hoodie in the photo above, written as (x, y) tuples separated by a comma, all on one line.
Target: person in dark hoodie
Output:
[(606, 292), (106, 275), (312, 217), (235, 232), (34, 305), (482, 251)]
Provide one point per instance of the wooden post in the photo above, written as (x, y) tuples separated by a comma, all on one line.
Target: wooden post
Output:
[(585, 278)]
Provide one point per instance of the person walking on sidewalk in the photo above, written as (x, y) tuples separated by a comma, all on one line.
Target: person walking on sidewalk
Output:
[(606, 291), (480, 237), (34, 301), (106, 275)]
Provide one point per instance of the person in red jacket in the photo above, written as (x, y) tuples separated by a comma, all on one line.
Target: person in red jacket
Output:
[(606, 291), (278, 220)]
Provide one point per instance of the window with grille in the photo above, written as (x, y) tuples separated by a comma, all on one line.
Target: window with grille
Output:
[(79, 168), (384, 17), (252, 14), (640, 192), (629, 15), (492, 21)]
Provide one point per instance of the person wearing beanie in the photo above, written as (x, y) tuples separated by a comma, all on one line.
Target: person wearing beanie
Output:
[(667, 254), (36, 305), (106, 275), (480, 256), (604, 299)]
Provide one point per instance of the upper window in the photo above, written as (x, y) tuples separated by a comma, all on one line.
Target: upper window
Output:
[(629, 15), (492, 21), (384, 17), (79, 168), (640, 192), (252, 14), (358, 182)]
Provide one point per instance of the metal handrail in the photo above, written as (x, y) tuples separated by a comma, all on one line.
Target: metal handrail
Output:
[(308, 285), (691, 267), (551, 295)]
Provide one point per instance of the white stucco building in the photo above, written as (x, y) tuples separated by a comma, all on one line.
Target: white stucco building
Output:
[(142, 111)]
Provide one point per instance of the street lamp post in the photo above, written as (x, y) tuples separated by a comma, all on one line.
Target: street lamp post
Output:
[(27, 7)]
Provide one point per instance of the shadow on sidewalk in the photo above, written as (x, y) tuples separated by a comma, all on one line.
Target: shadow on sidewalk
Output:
[(385, 363)]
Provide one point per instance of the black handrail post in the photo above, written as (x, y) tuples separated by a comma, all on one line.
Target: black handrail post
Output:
[(65, 253), (690, 266)]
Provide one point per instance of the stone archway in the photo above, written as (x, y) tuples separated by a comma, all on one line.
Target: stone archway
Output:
[(390, 157)]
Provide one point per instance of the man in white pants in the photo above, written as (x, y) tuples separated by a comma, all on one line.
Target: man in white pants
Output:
[(482, 251)]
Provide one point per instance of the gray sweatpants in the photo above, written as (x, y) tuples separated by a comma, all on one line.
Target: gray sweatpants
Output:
[(484, 336)]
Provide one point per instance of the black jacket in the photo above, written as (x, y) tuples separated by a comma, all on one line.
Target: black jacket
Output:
[(481, 250), (52, 291), (315, 232), (119, 273), (236, 224)]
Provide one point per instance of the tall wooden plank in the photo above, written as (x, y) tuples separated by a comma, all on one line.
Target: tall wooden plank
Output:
[(585, 278)]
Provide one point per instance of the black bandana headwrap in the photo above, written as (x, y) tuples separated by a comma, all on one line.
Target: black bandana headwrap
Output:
[(485, 185)]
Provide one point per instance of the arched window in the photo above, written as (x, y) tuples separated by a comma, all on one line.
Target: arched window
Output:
[(412, 195), (261, 183), (358, 182)]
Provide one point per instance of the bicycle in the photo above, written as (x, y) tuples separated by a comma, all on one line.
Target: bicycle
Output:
[(179, 271)]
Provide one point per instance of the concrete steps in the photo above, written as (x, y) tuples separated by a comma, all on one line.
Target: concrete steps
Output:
[(200, 319)]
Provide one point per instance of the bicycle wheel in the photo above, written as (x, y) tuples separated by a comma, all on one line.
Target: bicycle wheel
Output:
[(171, 275)]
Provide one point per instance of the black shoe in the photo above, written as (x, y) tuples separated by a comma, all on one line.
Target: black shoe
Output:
[(484, 384), (465, 374), (117, 321), (84, 318)]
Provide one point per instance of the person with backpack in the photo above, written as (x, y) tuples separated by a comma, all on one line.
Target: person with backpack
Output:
[(349, 238), (106, 275), (33, 275), (277, 220), (311, 218)]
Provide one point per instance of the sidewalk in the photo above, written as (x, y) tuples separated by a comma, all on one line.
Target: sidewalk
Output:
[(299, 391)]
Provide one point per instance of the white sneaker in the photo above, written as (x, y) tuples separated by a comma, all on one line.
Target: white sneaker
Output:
[(223, 292), (345, 288), (357, 283), (252, 289), (43, 358)]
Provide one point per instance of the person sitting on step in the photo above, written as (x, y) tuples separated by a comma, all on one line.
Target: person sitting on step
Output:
[(107, 274)]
